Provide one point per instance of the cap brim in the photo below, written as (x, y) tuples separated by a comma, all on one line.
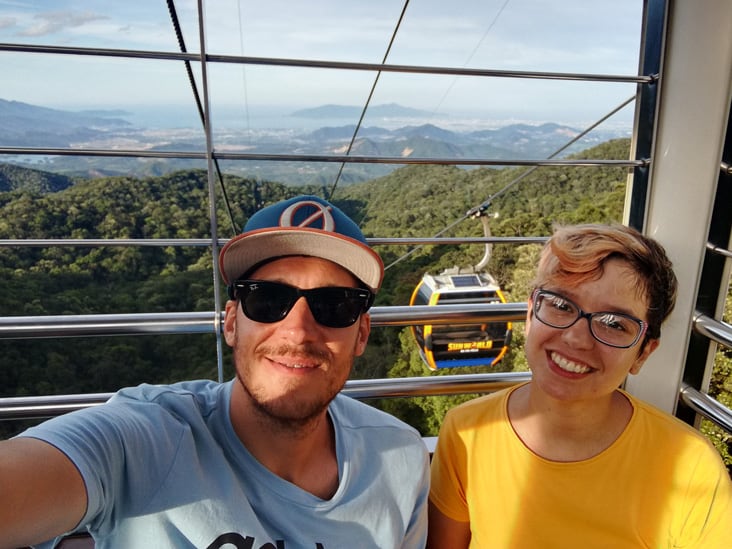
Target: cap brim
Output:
[(247, 250)]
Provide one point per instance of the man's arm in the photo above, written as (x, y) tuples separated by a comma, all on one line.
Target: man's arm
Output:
[(42, 493)]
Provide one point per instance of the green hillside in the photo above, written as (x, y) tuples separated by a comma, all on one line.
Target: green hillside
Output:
[(412, 201), (15, 178), (418, 201)]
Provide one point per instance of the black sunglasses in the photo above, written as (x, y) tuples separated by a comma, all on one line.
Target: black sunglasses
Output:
[(332, 306)]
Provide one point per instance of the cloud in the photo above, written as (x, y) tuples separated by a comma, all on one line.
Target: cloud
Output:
[(58, 21), (7, 22)]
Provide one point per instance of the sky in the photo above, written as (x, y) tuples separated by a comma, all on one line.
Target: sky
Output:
[(568, 36)]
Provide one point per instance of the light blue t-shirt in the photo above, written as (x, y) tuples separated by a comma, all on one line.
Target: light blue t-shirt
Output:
[(164, 468)]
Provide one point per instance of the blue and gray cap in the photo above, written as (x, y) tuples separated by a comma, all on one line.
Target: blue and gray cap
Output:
[(303, 225)]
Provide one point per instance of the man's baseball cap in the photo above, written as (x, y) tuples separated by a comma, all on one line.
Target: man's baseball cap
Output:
[(303, 225)]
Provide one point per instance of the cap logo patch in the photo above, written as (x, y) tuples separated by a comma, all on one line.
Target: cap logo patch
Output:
[(321, 217)]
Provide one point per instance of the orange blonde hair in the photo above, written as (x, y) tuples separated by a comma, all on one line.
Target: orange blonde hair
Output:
[(577, 253)]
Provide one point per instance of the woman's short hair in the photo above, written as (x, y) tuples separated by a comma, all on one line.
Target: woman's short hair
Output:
[(577, 253)]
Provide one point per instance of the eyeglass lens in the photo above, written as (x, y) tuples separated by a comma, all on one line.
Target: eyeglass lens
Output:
[(268, 302), (611, 328)]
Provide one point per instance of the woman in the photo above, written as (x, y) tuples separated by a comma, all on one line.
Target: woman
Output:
[(569, 459)]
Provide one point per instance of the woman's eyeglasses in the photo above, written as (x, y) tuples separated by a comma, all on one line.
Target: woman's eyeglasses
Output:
[(331, 306), (608, 327)]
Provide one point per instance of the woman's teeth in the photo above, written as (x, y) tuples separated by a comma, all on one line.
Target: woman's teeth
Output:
[(568, 365)]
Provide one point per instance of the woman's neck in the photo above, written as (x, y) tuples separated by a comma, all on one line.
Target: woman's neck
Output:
[(567, 431)]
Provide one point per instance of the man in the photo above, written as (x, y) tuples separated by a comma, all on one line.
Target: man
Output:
[(275, 458)]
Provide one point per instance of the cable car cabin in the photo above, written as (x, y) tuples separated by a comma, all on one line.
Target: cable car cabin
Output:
[(453, 345)]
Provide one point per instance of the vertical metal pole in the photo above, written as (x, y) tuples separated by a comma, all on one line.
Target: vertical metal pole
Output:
[(652, 44), (713, 281), (211, 193), (693, 107)]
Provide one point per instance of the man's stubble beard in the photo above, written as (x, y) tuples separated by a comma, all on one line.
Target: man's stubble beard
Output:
[(288, 413)]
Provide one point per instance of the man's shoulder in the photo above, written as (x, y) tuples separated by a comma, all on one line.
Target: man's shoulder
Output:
[(202, 389), (354, 414), (201, 397)]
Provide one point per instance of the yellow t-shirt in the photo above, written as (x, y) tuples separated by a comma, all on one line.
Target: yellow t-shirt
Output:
[(660, 484)]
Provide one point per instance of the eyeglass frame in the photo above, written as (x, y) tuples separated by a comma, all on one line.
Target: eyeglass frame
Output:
[(588, 316), (363, 293)]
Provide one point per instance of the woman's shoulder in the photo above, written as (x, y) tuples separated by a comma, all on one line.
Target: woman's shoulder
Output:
[(481, 408), (662, 429)]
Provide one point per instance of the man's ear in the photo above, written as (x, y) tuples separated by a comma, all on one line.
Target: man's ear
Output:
[(364, 329), (651, 345), (230, 322)]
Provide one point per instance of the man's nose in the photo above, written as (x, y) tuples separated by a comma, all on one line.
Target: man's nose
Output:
[(300, 321)]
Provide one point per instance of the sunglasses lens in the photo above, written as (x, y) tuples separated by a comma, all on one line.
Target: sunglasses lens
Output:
[(337, 307), (267, 302)]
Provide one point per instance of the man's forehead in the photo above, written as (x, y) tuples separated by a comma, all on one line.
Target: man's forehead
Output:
[(290, 263)]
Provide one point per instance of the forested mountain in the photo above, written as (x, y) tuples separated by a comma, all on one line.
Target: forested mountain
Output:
[(14, 178), (412, 201)]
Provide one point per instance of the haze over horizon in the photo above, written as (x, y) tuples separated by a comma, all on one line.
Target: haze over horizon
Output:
[(391, 116)]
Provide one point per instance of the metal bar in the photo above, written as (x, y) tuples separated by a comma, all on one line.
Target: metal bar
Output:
[(324, 64), (469, 313), (39, 407), (434, 385), (99, 52), (42, 407), (717, 250), (428, 161), (211, 173), (354, 159), (642, 143), (98, 242), (420, 69), (707, 406), (716, 330), (375, 241), (204, 242), (111, 153), (34, 327)]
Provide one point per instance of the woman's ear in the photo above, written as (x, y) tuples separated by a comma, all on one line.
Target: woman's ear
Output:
[(527, 323), (651, 345)]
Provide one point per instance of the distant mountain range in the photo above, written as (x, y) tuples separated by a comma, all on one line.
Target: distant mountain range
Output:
[(26, 125)]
